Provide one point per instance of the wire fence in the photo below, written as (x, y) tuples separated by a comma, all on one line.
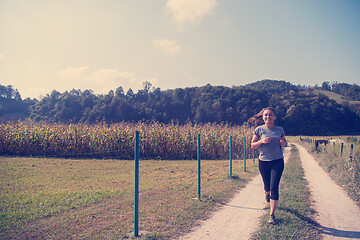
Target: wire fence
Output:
[(342, 157), (337, 147)]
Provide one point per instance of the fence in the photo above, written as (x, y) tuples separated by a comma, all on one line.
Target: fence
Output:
[(341, 159), (136, 181), (151, 140), (326, 142)]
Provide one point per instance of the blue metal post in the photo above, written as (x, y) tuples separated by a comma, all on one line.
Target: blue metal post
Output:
[(199, 166), (253, 156), (136, 191), (244, 154), (230, 153)]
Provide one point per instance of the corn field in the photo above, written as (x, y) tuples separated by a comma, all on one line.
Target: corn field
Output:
[(157, 141)]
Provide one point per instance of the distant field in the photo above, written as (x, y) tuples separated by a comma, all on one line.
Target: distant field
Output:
[(337, 97), (40, 197)]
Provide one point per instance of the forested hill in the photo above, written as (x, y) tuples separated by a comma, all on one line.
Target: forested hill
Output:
[(300, 110)]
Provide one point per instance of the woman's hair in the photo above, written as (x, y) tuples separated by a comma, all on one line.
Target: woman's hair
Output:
[(258, 118)]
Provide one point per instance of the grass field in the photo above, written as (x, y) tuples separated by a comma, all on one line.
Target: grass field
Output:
[(44, 198), (93, 199), (337, 97)]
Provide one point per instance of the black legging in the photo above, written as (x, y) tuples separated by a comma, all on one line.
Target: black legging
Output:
[(271, 172)]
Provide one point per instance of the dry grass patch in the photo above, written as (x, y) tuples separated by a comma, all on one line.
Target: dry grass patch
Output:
[(93, 199)]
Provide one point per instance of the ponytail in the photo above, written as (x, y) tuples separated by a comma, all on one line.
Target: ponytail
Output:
[(258, 118)]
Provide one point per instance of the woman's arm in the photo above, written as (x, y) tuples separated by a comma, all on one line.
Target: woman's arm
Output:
[(255, 142)]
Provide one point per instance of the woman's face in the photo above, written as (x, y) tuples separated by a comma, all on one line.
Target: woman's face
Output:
[(269, 117)]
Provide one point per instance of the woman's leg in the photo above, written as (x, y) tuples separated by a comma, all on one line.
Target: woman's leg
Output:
[(273, 206), (276, 172), (265, 171)]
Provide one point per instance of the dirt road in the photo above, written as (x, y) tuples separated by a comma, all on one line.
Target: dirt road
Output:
[(338, 215)]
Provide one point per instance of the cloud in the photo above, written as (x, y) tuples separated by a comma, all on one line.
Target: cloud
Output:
[(110, 75), (73, 72), (2, 58), (35, 92), (100, 80), (184, 11), (168, 46)]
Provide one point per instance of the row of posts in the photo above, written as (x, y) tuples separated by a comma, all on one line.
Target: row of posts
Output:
[(325, 142), (350, 151), (136, 187)]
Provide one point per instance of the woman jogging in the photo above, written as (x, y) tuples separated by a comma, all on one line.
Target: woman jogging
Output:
[(270, 138)]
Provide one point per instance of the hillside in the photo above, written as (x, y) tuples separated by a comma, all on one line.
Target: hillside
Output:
[(300, 110), (337, 97)]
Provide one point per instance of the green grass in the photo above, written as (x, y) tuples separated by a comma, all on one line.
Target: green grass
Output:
[(93, 199), (294, 213), (337, 97), (38, 188)]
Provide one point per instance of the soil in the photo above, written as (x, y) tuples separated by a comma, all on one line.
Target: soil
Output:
[(337, 215)]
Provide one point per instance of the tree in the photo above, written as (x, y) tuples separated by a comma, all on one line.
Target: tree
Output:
[(119, 92), (12, 107), (148, 87), (130, 94), (326, 86), (299, 110)]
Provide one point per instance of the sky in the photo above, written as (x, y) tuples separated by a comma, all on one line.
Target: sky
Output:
[(61, 45)]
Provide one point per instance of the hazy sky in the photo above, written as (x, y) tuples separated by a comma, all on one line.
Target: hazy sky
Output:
[(59, 45)]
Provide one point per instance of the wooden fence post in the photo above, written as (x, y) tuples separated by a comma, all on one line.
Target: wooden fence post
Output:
[(341, 148), (351, 150), (316, 144)]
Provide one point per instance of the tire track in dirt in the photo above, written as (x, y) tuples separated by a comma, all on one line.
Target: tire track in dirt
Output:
[(338, 215)]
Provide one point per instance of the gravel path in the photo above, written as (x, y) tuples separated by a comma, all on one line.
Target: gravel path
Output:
[(338, 215), (239, 218)]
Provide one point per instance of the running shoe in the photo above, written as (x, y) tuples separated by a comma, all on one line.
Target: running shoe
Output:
[(272, 219), (267, 197)]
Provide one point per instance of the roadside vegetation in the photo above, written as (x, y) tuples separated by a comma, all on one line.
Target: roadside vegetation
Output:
[(295, 216), (93, 199), (345, 171)]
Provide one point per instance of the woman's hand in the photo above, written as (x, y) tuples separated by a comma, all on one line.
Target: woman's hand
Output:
[(266, 140), (283, 142), (255, 143)]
